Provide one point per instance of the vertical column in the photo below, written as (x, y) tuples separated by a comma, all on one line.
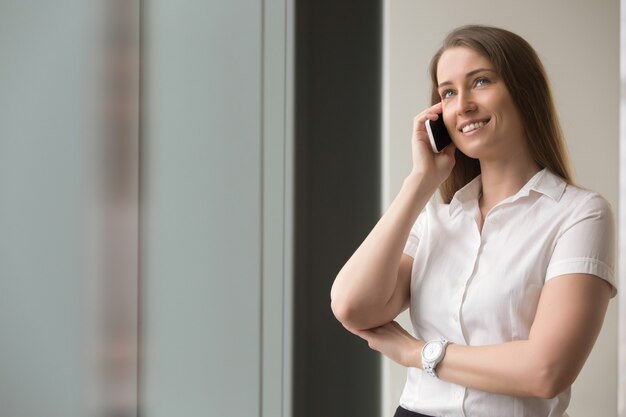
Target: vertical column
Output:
[(116, 350), (337, 157), (202, 190), (278, 196), (621, 213), (48, 185)]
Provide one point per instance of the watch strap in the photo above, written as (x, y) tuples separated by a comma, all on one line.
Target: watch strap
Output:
[(430, 366)]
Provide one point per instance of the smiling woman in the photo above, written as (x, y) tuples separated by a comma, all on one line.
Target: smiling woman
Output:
[(517, 262), (477, 106), (504, 82)]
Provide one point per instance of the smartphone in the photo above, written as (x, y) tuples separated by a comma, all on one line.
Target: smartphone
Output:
[(438, 134)]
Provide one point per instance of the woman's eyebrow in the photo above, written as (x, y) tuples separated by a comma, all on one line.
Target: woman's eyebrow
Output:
[(469, 74)]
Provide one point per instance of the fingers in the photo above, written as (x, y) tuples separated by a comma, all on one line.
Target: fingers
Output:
[(431, 113), (385, 328), (363, 334), (450, 150)]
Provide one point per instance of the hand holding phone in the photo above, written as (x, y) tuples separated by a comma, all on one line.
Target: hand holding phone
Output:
[(438, 134)]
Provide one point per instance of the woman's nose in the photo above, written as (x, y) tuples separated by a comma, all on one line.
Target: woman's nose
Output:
[(465, 102)]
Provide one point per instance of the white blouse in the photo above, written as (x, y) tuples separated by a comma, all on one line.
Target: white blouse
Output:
[(476, 288)]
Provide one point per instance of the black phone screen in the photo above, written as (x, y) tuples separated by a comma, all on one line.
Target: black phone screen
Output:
[(438, 134)]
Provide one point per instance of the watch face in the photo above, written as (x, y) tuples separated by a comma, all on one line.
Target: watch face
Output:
[(432, 350)]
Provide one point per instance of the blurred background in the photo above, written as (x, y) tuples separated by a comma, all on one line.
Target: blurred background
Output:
[(181, 181)]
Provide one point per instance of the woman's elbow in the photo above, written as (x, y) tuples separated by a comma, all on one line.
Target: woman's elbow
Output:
[(339, 309), (546, 391), (343, 312), (551, 382), (342, 304), (338, 302), (349, 316)]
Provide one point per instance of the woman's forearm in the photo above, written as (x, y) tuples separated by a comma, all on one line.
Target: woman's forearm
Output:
[(512, 368), (567, 323), (368, 279)]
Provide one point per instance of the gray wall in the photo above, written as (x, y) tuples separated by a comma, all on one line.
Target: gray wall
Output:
[(46, 161), (215, 171), (169, 220), (201, 199), (214, 153), (252, 197)]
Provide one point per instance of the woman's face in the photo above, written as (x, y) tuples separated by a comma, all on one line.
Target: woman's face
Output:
[(478, 110)]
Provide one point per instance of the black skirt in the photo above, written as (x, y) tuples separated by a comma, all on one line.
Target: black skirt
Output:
[(401, 412)]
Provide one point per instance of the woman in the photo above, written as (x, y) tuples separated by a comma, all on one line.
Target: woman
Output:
[(508, 280)]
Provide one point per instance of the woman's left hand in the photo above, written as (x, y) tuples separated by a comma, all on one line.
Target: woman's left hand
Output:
[(394, 342)]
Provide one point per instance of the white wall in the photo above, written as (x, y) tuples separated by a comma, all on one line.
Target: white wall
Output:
[(215, 206), (578, 42), (201, 241), (46, 173)]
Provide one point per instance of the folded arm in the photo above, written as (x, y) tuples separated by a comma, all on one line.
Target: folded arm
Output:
[(569, 318), (372, 288)]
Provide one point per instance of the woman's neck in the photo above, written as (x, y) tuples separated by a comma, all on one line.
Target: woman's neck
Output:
[(504, 179)]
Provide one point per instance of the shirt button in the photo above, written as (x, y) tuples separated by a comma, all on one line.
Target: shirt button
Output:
[(455, 316), (458, 394)]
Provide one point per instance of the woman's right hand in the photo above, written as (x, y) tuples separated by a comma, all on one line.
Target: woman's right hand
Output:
[(426, 163)]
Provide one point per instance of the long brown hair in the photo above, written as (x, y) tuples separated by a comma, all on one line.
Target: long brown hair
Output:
[(517, 63)]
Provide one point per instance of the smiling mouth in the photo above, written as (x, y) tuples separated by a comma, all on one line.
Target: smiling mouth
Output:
[(474, 126)]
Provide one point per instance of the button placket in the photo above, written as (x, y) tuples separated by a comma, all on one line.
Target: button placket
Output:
[(492, 217), (463, 284), (457, 396), (459, 292)]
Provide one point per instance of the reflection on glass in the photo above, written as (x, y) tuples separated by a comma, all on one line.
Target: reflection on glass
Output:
[(117, 356)]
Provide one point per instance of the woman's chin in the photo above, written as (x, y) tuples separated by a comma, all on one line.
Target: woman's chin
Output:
[(470, 152), (479, 149)]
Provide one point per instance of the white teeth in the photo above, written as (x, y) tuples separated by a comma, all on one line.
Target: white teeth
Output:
[(473, 126)]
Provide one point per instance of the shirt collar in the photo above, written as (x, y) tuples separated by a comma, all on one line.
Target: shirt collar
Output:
[(466, 194), (544, 182)]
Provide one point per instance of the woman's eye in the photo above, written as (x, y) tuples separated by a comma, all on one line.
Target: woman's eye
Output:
[(446, 94), (482, 81)]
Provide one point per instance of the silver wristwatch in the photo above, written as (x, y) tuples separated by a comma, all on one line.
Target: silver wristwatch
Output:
[(432, 353)]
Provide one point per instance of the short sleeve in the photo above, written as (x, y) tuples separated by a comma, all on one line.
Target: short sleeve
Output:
[(586, 243), (410, 248)]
